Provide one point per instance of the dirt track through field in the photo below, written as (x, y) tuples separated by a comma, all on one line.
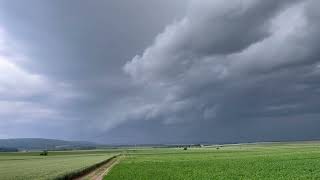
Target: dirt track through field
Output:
[(100, 172)]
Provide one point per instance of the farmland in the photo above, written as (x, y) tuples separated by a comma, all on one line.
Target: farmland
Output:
[(242, 161), (32, 166), (251, 161)]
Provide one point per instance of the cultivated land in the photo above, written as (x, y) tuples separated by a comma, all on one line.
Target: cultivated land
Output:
[(30, 165), (251, 161), (246, 161)]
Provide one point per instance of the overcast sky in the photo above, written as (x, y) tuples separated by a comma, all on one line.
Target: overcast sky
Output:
[(169, 71)]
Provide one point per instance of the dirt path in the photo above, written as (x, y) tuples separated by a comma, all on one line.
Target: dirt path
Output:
[(99, 173)]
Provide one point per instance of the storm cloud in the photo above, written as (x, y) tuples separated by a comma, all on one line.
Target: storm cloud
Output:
[(221, 71), (244, 66)]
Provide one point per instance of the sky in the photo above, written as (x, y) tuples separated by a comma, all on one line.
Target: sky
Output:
[(169, 71)]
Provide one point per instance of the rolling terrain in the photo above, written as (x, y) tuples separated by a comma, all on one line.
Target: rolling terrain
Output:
[(24, 144)]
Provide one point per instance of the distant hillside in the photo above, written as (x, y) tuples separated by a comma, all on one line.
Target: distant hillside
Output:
[(41, 144)]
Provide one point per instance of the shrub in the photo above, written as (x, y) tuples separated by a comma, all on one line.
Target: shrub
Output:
[(44, 153)]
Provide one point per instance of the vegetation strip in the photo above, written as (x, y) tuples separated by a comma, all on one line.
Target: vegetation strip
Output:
[(80, 173), (99, 173)]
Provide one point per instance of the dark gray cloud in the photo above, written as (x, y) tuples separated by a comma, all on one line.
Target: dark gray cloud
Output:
[(237, 71), (65, 58), (221, 71)]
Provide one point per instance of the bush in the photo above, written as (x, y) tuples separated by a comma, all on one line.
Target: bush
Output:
[(44, 153)]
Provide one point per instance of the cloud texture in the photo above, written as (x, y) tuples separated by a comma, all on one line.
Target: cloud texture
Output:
[(224, 71), (246, 66)]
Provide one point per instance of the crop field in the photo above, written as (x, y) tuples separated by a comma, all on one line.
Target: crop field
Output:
[(245, 161), (33, 166), (251, 161)]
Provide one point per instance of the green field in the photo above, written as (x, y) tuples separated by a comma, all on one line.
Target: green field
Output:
[(255, 161), (246, 161), (30, 165)]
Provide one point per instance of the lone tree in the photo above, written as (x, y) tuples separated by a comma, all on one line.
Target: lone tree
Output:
[(44, 153)]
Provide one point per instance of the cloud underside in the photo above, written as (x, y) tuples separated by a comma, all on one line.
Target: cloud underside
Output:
[(226, 71), (241, 65)]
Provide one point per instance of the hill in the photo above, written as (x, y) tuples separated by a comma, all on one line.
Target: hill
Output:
[(41, 144)]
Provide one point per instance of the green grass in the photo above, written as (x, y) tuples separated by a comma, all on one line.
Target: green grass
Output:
[(32, 166), (256, 161)]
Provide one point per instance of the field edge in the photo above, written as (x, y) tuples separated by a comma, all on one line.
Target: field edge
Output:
[(85, 171)]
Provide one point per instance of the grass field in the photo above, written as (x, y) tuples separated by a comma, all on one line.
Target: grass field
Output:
[(23, 166), (255, 161)]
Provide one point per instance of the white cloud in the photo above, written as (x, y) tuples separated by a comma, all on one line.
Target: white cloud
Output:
[(15, 82), (27, 97), (25, 112)]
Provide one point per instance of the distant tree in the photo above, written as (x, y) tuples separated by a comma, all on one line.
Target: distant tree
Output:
[(44, 153), (185, 148)]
